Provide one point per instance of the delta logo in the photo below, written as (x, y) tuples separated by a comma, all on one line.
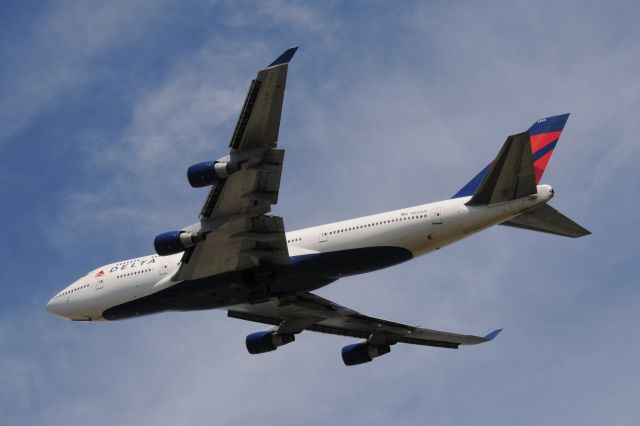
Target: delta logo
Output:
[(99, 274)]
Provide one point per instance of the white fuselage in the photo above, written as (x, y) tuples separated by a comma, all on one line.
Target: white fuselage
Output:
[(418, 229)]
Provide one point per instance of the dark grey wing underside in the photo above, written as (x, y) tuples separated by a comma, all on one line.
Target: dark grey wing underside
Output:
[(310, 312), (239, 233), (259, 122)]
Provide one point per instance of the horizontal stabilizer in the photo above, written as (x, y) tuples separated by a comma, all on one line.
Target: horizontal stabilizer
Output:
[(511, 174), (549, 220)]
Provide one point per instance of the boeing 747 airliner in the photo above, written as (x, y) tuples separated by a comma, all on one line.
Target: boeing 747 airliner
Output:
[(238, 257)]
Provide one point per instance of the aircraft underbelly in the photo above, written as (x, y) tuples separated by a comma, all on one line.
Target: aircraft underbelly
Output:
[(309, 272), (306, 273)]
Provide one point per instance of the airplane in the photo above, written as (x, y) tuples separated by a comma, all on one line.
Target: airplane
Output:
[(239, 257)]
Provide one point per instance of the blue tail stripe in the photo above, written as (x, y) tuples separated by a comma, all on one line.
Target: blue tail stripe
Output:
[(470, 188), (544, 150)]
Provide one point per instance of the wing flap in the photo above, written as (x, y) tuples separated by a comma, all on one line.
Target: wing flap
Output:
[(238, 244), (245, 114), (259, 122)]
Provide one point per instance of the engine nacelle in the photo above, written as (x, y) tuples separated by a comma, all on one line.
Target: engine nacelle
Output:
[(267, 341), (359, 353), (210, 172), (174, 242)]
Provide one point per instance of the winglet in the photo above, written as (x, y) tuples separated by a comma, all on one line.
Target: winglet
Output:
[(493, 334), (285, 57)]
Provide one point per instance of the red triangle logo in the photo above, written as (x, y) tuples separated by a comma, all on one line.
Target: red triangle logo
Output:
[(99, 274)]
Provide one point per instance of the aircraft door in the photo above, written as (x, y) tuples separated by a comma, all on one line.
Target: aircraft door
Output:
[(324, 236), (436, 216), (162, 267)]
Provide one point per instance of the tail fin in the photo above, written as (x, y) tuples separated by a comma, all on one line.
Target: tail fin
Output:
[(544, 135), (511, 174)]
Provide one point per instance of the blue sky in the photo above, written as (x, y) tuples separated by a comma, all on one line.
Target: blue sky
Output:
[(389, 104)]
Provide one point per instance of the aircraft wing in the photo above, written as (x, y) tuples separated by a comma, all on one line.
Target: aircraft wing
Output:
[(306, 311), (238, 233)]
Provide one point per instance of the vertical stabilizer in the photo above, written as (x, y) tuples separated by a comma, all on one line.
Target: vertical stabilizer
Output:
[(543, 135), (511, 174)]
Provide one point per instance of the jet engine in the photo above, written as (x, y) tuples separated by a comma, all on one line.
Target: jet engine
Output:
[(359, 353), (210, 172), (175, 242), (266, 341)]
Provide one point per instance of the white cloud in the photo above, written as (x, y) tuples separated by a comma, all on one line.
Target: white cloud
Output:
[(58, 54)]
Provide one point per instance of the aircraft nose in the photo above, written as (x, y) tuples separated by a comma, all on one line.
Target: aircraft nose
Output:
[(52, 306), (78, 308), (58, 305)]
